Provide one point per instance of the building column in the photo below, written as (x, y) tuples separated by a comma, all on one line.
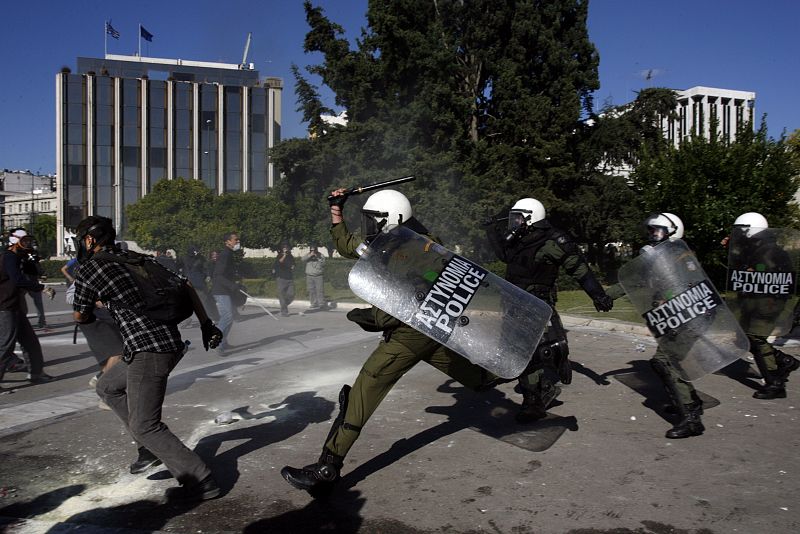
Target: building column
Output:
[(170, 130), (145, 187), (245, 138), (117, 153), (220, 138), (60, 174), (196, 131), (90, 186)]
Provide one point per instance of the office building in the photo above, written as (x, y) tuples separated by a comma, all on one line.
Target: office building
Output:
[(125, 122)]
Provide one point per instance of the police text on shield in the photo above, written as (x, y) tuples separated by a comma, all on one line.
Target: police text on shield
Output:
[(761, 283), (450, 295), (695, 302)]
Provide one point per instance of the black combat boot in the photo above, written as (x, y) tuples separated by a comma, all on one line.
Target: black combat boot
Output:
[(318, 478), (774, 388), (690, 423), (535, 404)]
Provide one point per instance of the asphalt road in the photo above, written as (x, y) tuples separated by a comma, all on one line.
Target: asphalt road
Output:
[(434, 457)]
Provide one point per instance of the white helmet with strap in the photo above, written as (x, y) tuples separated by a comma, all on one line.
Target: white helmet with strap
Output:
[(385, 210), (662, 226), (527, 210)]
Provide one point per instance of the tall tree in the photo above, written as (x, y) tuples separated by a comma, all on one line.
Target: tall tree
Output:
[(479, 99)]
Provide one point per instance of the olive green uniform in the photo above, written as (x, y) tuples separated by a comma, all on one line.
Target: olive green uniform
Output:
[(683, 392), (533, 262), (400, 350)]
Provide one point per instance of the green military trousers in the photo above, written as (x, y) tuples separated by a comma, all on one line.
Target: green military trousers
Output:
[(763, 352), (675, 385), (384, 367)]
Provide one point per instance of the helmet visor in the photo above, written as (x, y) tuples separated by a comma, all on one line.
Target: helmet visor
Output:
[(372, 222), (517, 218)]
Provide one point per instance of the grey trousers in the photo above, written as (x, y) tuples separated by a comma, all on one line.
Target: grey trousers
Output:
[(15, 327), (135, 392), (316, 294)]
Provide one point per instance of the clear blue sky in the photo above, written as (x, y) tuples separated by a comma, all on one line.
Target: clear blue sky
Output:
[(732, 44)]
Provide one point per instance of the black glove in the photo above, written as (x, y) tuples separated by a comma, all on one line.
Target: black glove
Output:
[(338, 200), (212, 336), (603, 303), (363, 317)]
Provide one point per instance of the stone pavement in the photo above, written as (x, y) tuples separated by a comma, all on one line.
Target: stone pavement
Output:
[(434, 457)]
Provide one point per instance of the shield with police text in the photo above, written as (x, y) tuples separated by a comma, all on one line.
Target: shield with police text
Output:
[(683, 309), (452, 300), (762, 278)]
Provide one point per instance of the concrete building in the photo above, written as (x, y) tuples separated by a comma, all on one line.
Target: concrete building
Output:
[(125, 122), (699, 108), (23, 195)]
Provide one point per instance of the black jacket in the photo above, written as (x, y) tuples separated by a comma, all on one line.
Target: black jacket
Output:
[(224, 279)]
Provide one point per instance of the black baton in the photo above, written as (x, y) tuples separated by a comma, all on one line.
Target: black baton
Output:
[(378, 185)]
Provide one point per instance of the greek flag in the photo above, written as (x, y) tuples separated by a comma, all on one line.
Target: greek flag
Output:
[(111, 31)]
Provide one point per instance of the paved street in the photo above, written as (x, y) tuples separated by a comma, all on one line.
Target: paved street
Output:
[(434, 458)]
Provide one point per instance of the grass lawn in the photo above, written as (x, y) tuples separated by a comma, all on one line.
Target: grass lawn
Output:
[(578, 303)]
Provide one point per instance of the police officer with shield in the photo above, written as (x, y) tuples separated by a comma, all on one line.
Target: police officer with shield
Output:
[(663, 227), (762, 281), (534, 251), (401, 348)]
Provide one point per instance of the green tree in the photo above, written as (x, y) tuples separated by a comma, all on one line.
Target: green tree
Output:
[(44, 230), (708, 183), (479, 100)]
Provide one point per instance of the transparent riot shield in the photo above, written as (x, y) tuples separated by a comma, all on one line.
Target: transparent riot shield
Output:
[(683, 309), (452, 300), (762, 278)]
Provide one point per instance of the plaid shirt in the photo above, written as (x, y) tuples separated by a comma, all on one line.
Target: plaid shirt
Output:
[(110, 282)]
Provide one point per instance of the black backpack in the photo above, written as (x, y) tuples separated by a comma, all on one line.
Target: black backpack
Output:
[(165, 294)]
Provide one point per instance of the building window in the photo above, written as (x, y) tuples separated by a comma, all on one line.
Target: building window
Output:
[(232, 172), (208, 134)]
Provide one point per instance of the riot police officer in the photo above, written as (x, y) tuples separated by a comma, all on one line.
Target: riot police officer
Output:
[(534, 251), (401, 348), (758, 313), (685, 400)]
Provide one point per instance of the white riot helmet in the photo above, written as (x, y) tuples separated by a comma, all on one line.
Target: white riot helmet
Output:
[(527, 210), (663, 226), (752, 223), (383, 211)]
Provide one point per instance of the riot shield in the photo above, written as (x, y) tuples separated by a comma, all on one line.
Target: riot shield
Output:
[(762, 278), (682, 309), (452, 300)]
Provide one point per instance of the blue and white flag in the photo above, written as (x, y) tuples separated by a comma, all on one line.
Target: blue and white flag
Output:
[(111, 31), (146, 35)]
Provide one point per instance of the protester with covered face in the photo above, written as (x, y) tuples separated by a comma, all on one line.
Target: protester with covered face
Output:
[(14, 324)]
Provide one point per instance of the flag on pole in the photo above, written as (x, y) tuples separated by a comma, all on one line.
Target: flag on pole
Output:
[(111, 31), (146, 35)]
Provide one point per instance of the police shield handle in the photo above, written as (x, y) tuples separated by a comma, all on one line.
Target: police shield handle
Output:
[(682, 309), (451, 299)]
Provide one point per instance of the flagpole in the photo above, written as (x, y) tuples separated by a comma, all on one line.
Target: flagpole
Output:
[(140, 40), (105, 40)]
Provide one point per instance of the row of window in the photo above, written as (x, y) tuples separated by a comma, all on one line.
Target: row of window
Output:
[(25, 207)]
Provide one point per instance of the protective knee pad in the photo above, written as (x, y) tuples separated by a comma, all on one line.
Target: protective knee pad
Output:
[(344, 397)]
